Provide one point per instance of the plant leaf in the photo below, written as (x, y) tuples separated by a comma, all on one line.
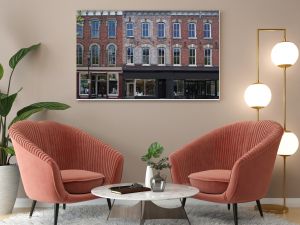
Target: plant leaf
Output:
[(9, 150), (1, 71), (44, 105), (27, 111), (155, 150), (16, 58), (2, 95), (6, 103)]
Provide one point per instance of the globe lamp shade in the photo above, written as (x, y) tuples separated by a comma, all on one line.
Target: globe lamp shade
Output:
[(284, 54), (289, 144), (257, 95)]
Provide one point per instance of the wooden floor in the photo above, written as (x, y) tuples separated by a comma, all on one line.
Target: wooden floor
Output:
[(293, 215)]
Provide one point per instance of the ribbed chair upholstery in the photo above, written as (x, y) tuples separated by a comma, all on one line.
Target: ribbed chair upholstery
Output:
[(232, 164), (56, 159)]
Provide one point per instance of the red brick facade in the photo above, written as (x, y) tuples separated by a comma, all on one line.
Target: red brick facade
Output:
[(199, 42), (103, 40)]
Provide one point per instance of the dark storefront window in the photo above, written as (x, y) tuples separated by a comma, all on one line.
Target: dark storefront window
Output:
[(150, 87), (210, 88), (139, 88), (102, 86), (93, 85), (178, 87), (84, 84), (200, 89), (144, 87), (112, 84)]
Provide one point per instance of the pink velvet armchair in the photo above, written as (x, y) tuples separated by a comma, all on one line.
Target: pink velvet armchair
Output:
[(60, 164), (231, 165)]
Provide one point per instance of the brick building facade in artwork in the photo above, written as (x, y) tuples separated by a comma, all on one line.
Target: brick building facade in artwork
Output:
[(99, 54), (158, 55)]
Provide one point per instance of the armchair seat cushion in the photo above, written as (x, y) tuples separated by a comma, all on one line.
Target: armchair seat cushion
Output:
[(81, 181), (211, 181)]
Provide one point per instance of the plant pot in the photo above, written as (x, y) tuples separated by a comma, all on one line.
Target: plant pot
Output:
[(148, 176), (9, 183)]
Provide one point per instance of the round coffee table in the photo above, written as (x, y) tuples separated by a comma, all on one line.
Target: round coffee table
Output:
[(145, 209)]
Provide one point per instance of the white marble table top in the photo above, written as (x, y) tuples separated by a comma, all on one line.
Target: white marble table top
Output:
[(172, 191)]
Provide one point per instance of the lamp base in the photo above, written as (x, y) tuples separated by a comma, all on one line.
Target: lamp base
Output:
[(276, 209)]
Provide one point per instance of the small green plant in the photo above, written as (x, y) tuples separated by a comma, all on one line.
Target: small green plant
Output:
[(154, 152), (6, 103)]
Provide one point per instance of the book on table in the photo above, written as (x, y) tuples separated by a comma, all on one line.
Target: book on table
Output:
[(129, 189)]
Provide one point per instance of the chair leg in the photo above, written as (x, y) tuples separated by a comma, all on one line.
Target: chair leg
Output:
[(259, 208), (183, 202), (64, 206), (56, 209), (32, 208), (108, 203), (228, 206), (235, 213)]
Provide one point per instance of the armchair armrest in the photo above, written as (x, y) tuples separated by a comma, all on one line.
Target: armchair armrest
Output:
[(251, 174), (40, 174)]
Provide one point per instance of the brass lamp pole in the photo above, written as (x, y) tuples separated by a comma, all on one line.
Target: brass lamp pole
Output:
[(258, 95), (258, 58)]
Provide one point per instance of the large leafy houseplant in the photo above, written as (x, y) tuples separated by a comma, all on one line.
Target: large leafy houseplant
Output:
[(6, 102)]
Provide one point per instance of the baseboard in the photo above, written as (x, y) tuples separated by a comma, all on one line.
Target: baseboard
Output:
[(291, 202)]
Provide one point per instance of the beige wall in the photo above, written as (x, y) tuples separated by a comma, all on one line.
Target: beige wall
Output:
[(130, 126)]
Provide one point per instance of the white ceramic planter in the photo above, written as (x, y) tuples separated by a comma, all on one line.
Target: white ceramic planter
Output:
[(9, 183), (148, 176)]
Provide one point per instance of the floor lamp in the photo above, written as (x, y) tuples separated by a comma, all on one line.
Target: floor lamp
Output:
[(284, 55)]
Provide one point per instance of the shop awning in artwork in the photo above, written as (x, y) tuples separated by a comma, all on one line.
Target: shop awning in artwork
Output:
[(170, 72)]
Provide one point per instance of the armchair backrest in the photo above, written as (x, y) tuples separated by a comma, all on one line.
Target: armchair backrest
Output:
[(235, 140), (54, 139)]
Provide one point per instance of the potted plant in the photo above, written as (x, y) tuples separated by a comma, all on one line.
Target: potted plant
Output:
[(9, 173), (157, 182)]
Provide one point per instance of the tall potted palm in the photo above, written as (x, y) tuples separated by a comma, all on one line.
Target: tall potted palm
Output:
[(9, 173)]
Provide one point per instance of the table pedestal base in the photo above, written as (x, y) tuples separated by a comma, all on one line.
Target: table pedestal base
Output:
[(147, 210)]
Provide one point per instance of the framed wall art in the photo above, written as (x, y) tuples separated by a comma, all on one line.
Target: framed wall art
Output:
[(171, 55)]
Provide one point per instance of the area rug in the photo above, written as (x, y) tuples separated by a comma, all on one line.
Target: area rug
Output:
[(96, 215)]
